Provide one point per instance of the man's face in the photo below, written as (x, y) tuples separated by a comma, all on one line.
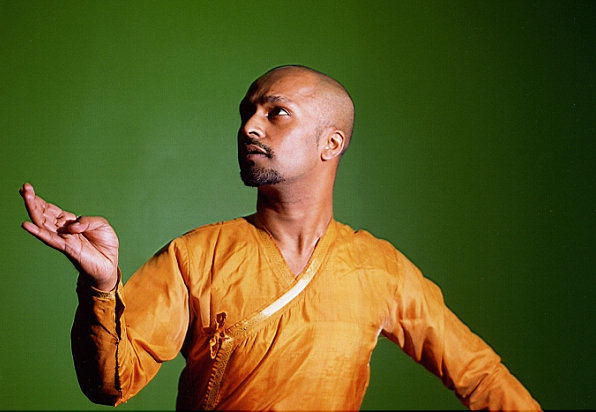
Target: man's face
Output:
[(279, 130)]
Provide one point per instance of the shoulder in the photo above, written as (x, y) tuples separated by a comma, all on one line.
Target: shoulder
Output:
[(237, 231), (238, 224), (366, 248), (362, 239)]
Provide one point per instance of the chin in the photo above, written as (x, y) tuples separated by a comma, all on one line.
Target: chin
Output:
[(256, 177)]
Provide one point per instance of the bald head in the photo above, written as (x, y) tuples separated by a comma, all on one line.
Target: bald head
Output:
[(336, 108)]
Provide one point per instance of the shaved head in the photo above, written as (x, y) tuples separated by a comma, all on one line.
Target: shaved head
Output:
[(336, 107)]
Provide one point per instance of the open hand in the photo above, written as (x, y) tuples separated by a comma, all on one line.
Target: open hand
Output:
[(89, 242)]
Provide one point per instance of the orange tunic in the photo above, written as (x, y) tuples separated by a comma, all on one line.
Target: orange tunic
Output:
[(255, 337)]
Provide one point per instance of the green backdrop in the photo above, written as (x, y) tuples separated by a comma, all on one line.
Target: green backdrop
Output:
[(474, 154)]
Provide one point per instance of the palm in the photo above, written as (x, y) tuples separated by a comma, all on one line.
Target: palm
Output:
[(89, 242)]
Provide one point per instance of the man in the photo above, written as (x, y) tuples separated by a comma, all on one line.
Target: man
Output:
[(277, 310)]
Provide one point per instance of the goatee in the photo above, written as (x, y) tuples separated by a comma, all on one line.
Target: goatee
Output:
[(254, 176), (251, 174)]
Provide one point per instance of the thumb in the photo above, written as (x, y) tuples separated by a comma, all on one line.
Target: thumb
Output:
[(77, 226), (84, 223), (87, 224)]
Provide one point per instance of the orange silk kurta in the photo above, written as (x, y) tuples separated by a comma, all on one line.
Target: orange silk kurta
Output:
[(209, 293)]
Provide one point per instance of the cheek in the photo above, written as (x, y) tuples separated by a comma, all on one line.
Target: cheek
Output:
[(297, 150), (299, 159), (296, 147)]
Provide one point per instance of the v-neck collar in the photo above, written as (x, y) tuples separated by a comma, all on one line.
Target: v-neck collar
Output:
[(277, 260)]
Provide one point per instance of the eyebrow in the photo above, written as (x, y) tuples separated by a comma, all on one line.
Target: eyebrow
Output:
[(245, 103), (274, 99)]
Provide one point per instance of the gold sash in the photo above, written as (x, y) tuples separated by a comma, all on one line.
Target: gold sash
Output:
[(224, 340)]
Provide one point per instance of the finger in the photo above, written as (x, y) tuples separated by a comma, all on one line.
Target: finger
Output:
[(43, 213), (27, 191), (51, 239), (35, 205), (60, 218), (28, 194), (26, 187), (31, 228)]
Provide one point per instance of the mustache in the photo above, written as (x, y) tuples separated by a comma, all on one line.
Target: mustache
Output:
[(254, 142)]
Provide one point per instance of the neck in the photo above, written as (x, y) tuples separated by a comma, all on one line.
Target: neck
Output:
[(296, 220)]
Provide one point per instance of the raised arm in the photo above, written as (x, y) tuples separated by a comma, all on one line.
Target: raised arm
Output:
[(88, 242)]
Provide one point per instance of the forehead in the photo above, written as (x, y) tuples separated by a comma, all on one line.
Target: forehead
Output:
[(290, 85)]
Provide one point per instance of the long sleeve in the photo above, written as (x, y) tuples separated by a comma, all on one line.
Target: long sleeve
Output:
[(424, 327), (118, 347)]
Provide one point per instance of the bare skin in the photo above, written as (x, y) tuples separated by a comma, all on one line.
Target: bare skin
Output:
[(292, 124), (89, 242), (287, 120)]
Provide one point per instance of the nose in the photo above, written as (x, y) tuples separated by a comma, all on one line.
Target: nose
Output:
[(253, 126)]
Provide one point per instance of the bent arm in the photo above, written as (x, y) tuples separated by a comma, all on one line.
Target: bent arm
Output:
[(119, 347), (424, 327)]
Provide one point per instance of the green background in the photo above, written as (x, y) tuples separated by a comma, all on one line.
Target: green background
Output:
[(474, 154)]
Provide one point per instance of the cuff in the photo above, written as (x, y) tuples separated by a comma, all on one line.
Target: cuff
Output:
[(96, 293)]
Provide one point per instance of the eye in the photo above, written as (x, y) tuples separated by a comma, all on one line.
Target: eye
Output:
[(278, 111), (246, 110)]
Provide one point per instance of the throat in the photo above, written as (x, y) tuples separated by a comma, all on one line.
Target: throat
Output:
[(297, 262), (296, 248)]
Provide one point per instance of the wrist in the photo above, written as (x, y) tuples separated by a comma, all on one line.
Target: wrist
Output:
[(106, 286)]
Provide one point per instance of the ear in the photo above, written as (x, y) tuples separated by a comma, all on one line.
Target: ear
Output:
[(333, 145)]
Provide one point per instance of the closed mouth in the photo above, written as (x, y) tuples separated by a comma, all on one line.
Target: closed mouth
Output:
[(254, 149)]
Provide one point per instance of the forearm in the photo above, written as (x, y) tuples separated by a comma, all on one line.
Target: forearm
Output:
[(429, 332), (500, 390), (118, 347), (95, 340), (476, 372)]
